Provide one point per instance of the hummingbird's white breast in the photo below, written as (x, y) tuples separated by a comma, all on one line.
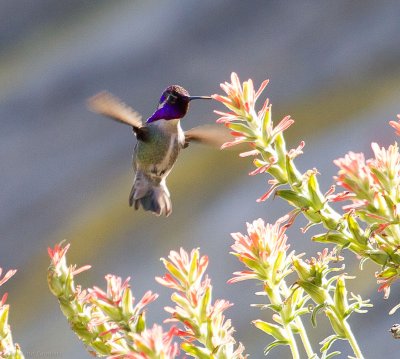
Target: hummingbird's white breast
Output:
[(156, 157)]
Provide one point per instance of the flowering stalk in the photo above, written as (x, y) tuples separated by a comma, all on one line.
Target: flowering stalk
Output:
[(8, 350), (107, 322), (373, 186), (330, 295), (265, 254), (205, 333)]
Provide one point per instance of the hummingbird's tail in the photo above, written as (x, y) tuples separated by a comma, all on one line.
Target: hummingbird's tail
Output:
[(153, 197)]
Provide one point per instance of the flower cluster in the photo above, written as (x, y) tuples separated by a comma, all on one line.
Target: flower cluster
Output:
[(373, 188), (264, 250), (149, 344), (108, 322), (256, 128), (205, 333), (8, 350), (370, 225)]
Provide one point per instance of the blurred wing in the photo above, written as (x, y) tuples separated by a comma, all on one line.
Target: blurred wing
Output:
[(106, 104), (213, 135)]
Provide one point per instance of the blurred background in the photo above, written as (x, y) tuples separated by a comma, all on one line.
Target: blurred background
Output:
[(66, 173)]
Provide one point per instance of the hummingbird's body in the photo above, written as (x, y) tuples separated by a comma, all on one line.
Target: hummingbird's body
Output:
[(159, 141), (152, 162)]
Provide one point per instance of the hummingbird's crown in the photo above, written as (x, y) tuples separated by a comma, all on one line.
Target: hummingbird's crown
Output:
[(177, 90), (173, 94)]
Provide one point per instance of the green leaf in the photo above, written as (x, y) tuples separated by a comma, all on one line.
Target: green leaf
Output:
[(330, 355), (205, 303), (275, 307), (18, 353), (280, 148), (314, 313), (335, 238), (4, 320), (327, 342), (194, 351), (174, 271), (313, 188), (274, 344), (126, 303), (356, 231), (272, 329), (340, 297), (293, 198), (302, 268), (266, 122), (294, 176), (337, 324), (241, 128), (141, 323), (101, 348), (378, 256), (193, 265), (317, 294)]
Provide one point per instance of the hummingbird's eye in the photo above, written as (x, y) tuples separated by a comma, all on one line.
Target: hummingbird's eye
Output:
[(171, 98)]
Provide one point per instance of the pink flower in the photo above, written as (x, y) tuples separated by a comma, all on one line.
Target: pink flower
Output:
[(240, 99), (151, 343), (396, 125), (260, 250), (386, 278), (114, 297), (7, 276), (385, 168), (274, 185), (354, 174), (57, 256), (186, 271), (115, 289), (157, 342), (293, 153), (285, 123)]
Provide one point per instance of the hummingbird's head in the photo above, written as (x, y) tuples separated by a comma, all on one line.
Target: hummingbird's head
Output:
[(173, 104)]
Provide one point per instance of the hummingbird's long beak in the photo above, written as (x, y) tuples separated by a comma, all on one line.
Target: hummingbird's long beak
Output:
[(199, 97)]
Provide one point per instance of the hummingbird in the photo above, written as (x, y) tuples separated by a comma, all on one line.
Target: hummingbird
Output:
[(159, 141)]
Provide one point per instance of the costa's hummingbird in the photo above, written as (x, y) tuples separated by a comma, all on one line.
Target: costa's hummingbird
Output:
[(159, 141)]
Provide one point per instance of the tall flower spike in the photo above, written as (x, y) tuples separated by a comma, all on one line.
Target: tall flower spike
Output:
[(264, 251), (255, 128), (105, 320), (205, 332)]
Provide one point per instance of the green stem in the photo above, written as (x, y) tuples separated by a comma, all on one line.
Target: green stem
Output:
[(304, 338), (337, 319), (300, 327), (352, 340), (275, 299)]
